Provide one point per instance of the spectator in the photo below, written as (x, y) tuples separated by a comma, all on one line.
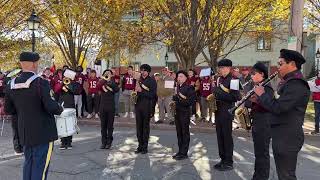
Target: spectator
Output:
[(316, 99), (93, 98), (128, 85), (80, 79), (116, 79)]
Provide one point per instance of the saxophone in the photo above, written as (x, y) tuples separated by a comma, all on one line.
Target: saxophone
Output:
[(172, 108), (134, 94)]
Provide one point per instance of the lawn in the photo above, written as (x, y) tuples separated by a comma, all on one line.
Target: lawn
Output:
[(310, 112)]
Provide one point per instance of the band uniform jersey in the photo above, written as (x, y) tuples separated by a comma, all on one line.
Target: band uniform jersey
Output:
[(185, 97), (223, 92), (80, 78), (149, 88), (193, 81), (128, 82), (35, 109)]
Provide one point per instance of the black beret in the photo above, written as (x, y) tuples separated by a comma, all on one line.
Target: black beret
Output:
[(260, 67), (183, 72), (291, 55), (29, 56), (145, 67), (225, 62)]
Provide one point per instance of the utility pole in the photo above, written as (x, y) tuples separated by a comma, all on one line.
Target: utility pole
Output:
[(295, 41)]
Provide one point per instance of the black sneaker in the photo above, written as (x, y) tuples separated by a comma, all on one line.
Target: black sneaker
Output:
[(225, 167), (174, 156), (69, 146), (217, 166), (108, 146), (181, 157), (159, 122), (117, 115), (63, 147), (144, 151), (18, 151), (138, 151), (314, 132), (103, 146), (171, 123)]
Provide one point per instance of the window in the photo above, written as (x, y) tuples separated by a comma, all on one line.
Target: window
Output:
[(173, 66), (264, 42)]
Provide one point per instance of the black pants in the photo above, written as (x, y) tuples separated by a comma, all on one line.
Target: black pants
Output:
[(223, 121), (107, 120), (261, 141), (93, 103), (16, 143), (286, 144), (143, 114), (182, 122), (154, 103), (66, 140)]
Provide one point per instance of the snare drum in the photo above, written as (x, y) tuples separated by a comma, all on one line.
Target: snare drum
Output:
[(67, 122)]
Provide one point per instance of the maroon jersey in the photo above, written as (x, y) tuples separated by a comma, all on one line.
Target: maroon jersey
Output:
[(129, 83), (116, 79), (93, 85), (56, 84), (205, 87), (80, 78), (192, 81)]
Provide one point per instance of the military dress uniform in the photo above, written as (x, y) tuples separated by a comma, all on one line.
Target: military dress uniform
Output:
[(261, 134), (225, 100), (107, 111), (288, 110), (143, 109), (184, 99), (28, 97)]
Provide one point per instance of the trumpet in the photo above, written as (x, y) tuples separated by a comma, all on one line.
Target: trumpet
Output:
[(66, 81), (250, 93)]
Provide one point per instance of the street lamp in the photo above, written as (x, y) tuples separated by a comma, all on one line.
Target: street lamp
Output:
[(166, 57), (317, 57), (33, 25)]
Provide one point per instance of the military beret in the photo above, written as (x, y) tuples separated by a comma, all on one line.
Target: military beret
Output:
[(29, 56), (225, 62), (145, 67), (291, 55), (182, 72), (260, 67)]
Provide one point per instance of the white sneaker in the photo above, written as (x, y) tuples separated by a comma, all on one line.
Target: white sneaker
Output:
[(89, 116), (132, 115), (97, 116), (125, 115)]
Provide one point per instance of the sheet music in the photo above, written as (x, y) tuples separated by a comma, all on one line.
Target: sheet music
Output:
[(169, 84)]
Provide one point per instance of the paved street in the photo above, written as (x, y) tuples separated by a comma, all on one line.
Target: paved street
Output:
[(87, 162)]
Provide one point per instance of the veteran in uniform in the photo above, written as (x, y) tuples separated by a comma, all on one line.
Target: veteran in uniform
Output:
[(28, 97)]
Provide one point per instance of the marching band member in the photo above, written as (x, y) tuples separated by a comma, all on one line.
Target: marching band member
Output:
[(108, 88), (205, 91), (93, 97), (146, 89), (193, 81), (56, 84), (47, 75), (184, 99), (261, 134), (128, 85), (68, 91), (28, 97), (288, 109), (80, 79), (116, 79), (226, 97)]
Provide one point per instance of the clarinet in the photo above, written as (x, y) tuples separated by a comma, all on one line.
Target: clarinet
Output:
[(250, 93)]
